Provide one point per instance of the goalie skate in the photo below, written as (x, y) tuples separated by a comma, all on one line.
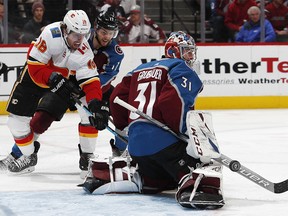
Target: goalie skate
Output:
[(202, 188), (201, 201)]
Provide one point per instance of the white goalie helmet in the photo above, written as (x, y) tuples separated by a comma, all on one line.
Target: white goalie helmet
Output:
[(179, 44), (77, 21)]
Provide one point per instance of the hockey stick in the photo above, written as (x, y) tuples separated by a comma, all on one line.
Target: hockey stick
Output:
[(80, 105), (233, 165)]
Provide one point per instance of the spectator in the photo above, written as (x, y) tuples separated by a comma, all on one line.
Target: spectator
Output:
[(13, 29), (131, 32), (114, 6), (218, 11), (196, 7), (236, 16), (265, 2), (33, 28), (56, 9), (277, 15), (1, 23), (88, 7), (127, 5), (251, 30)]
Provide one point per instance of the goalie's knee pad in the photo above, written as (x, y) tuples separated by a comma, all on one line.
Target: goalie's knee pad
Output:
[(202, 188), (112, 175)]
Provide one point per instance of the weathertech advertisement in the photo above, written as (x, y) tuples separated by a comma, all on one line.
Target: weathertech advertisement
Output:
[(257, 74)]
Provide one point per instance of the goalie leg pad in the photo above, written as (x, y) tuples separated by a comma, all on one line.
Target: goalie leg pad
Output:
[(101, 170), (202, 143), (201, 189), (117, 187), (112, 176)]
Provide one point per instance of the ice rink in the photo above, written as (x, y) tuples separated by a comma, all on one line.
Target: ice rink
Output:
[(257, 138)]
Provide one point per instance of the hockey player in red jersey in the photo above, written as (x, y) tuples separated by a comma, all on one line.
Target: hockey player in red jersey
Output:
[(59, 64), (165, 90)]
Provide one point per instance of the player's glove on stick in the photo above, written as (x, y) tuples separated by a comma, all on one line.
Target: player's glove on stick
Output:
[(100, 111), (62, 86)]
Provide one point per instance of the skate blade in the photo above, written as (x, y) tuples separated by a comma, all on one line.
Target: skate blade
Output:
[(23, 172), (203, 204)]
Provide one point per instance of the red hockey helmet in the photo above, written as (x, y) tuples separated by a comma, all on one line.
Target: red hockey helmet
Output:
[(181, 45)]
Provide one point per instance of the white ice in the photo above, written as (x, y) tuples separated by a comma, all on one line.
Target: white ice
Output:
[(257, 138)]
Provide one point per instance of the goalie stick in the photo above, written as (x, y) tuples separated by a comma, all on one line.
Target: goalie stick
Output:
[(233, 165)]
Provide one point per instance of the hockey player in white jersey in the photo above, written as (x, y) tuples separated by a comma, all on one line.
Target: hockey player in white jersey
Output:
[(59, 64), (165, 90)]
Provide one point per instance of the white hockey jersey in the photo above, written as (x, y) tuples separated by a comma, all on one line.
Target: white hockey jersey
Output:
[(51, 49)]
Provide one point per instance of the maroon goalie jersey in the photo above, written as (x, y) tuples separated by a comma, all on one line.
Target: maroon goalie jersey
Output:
[(164, 89)]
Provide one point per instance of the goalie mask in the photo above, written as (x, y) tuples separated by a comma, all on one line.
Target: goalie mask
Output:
[(181, 45)]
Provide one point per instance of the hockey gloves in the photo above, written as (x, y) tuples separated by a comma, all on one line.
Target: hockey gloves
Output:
[(63, 87), (100, 111)]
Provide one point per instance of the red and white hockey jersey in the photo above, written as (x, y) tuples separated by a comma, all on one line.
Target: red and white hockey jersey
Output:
[(50, 53)]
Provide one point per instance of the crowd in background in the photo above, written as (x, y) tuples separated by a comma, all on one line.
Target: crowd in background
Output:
[(229, 19)]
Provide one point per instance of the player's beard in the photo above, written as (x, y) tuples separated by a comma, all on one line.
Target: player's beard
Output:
[(102, 42)]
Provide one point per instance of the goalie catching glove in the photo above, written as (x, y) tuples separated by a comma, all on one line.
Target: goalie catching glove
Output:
[(100, 111)]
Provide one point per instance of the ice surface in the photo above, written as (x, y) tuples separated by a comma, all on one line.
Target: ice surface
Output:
[(257, 138)]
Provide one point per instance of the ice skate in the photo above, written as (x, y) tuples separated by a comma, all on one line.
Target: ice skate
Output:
[(24, 164), (4, 163), (84, 162), (91, 183)]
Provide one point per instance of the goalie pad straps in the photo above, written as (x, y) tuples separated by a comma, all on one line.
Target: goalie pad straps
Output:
[(118, 175), (202, 143), (112, 169), (207, 179)]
